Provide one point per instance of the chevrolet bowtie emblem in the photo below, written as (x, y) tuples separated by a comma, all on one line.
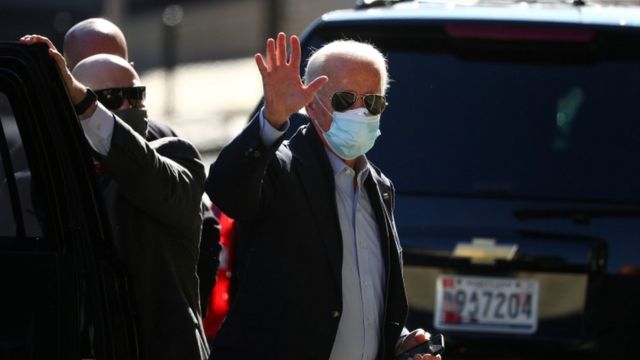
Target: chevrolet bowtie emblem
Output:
[(485, 251)]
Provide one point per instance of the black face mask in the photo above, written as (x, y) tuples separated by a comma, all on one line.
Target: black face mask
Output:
[(136, 118)]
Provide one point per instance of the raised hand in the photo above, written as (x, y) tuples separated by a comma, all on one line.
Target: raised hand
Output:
[(76, 90), (284, 92)]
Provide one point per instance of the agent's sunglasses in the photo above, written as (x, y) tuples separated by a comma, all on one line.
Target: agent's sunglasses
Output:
[(344, 100), (113, 98)]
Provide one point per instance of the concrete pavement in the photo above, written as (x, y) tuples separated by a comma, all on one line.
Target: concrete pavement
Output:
[(205, 103)]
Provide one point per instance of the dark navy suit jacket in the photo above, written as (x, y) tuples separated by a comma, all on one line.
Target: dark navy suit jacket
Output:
[(289, 301)]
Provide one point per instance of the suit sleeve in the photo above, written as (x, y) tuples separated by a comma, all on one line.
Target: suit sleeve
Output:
[(165, 177), (238, 182)]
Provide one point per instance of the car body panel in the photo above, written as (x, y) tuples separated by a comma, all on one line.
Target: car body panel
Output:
[(65, 292), (507, 11), (552, 214)]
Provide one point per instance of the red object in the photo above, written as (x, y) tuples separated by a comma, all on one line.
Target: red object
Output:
[(520, 33), (219, 301), (98, 169), (451, 317)]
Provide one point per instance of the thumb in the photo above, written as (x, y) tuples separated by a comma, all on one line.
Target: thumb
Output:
[(415, 338), (316, 85)]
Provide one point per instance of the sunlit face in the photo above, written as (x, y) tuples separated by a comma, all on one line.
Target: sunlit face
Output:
[(345, 74), (106, 72)]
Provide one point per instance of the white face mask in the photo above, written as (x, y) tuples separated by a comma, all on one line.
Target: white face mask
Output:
[(352, 132)]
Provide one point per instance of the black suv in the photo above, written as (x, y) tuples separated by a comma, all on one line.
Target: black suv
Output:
[(64, 293), (513, 139)]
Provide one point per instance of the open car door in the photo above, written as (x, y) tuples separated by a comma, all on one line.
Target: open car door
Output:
[(63, 291)]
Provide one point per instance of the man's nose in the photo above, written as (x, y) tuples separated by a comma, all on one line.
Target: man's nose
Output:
[(128, 104), (359, 102), (125, 105)]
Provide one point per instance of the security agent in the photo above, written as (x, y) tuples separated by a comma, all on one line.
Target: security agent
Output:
[(152, 192)]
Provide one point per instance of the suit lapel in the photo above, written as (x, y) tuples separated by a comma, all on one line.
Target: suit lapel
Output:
[(382, 216), (380, 194), (316, 177)]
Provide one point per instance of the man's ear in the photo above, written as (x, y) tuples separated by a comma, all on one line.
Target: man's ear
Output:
[(311, 109)]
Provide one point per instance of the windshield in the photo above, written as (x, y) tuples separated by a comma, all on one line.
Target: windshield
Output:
[(510, 119)]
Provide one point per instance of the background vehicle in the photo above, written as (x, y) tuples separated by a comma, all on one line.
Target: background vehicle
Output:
[(64, 293), (512, 139)]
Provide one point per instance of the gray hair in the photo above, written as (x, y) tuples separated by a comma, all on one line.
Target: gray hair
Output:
[(351, 49)]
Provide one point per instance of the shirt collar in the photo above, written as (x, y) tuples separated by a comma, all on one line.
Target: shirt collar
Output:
[(338, 165)]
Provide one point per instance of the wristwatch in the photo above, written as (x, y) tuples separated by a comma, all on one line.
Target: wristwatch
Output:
[(88, 100)]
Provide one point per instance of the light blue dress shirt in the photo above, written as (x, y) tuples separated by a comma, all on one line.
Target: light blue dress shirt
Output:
[(358, 333)]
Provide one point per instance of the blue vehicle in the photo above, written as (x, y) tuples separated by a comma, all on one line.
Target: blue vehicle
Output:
[(512, 138)]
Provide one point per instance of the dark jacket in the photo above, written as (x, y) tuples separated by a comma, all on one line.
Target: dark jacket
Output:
[(156, 130), (153, 196), (289, 301), (210, 247)]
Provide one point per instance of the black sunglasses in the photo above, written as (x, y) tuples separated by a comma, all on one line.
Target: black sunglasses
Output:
[(113, 98), (344, 100)]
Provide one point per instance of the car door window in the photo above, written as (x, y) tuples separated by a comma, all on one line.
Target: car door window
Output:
[(19, 201)]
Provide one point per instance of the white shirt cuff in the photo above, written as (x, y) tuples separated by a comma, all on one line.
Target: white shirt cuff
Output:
[(98, 129), (268, 133)]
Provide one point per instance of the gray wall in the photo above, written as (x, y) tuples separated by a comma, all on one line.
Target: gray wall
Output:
[(218, 30), (50, 18)]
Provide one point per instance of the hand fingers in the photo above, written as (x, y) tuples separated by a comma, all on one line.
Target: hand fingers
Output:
[(271, 53), (415, 338), (262, 66), (294, 60), (37, 39), (53, 52), (421, 336), (59, 59), (281, 49), (32, 39), (316, 84), (425, 357), (276, 53)]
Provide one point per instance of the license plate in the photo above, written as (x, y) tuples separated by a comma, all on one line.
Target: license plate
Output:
[(486, 304)]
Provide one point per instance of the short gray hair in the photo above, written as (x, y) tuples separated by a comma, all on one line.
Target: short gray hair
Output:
[(349, 48)]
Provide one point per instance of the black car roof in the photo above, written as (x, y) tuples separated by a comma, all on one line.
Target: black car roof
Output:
[(624, 13)]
